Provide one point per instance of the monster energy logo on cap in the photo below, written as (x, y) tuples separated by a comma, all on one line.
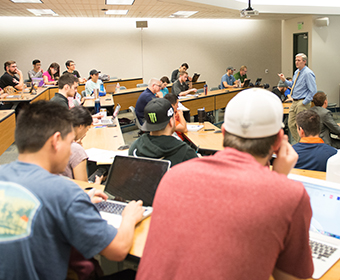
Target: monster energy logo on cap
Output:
[(153, 117)]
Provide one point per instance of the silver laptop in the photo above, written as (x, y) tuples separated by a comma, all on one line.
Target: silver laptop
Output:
[(131, 178), (324, 232)]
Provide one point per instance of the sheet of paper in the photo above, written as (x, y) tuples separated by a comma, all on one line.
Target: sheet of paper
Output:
[(104, 156), (194, 127)]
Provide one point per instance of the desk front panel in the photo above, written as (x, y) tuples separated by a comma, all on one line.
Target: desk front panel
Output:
[(126, 99), (222, 100), (207, 102), (7, 128), (128, 83)]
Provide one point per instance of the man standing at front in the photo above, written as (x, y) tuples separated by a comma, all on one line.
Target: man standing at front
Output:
[(228, 216), (303, 89)]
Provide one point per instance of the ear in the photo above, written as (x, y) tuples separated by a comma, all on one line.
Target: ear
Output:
[(172, 121), (55, 141), (301, 131), (278, 141)]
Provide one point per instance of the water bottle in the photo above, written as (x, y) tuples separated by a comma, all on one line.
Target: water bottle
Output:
[(102, 90), (97, 106), (117, 88), (205, 90), (239, 83), (333, 168)]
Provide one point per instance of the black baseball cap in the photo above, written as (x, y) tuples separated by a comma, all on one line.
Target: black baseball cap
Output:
[(157, 114), (94, 72)]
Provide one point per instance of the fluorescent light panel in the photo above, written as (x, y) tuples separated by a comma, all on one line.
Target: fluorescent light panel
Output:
[(307, 3), (184, 13), (26, 1), (39, 12), (119, 2), (116, 12)]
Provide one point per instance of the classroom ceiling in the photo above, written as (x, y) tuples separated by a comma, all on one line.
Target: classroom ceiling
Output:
[(210, 9)]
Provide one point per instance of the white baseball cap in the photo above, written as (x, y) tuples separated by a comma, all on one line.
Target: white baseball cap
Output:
[(254, 113)]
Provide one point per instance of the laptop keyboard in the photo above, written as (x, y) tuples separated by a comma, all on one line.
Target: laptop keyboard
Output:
[(110, 207), (320, 250)]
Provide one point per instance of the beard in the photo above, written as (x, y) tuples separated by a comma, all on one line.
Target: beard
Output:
[(12, 72)]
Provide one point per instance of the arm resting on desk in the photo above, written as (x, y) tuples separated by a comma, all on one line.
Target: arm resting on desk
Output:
[(121, 244)]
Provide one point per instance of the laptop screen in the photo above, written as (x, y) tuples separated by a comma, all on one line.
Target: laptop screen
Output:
[(325, 202), (134, 178)]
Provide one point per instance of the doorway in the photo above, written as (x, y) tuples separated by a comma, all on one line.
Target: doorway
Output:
[(300, 45)]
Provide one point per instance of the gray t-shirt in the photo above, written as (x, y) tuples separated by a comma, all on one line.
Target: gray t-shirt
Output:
[(77, 156), (177, 87), (42, 217), (33, 74)]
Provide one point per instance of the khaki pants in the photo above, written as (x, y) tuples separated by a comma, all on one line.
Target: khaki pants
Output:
[(296, 108)]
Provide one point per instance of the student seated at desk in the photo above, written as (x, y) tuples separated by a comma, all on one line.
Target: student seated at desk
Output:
[(93, 82), (241, 75), (280, 92), (9, 78), (67, 86), (175, 74), (160, 121), (328, 124), (51, 76), (228, 216), (46, 214), (165, 81), (181, 124), (71, 68), (181, 87), (77, 165), (313, 152), (37, 71)]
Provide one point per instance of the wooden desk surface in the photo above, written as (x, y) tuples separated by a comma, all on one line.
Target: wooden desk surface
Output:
[(206, 140), (105, 138), (26, 96), (7, 128), (286, 107), (141, 230), (105, 101)]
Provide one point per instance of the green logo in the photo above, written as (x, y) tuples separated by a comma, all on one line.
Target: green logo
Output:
[(153, 117)]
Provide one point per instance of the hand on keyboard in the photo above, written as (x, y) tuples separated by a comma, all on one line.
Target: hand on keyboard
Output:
[(98, 196), (134, 211)]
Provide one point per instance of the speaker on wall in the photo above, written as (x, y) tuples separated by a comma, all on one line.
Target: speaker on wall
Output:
[(321, 22)]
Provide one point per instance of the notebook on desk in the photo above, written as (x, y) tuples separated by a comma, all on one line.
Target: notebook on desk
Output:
[(324, 232), (131, 178)]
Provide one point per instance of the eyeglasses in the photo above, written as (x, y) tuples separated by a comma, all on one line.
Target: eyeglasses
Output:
[(158, 85)]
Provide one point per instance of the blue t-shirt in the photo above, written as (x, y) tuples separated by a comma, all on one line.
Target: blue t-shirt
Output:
[(229, 79), (313, 156), (145, 97), (164, 91), (42, 217)]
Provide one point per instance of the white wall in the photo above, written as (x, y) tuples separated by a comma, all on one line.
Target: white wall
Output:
[(323, 51), (114, 46)]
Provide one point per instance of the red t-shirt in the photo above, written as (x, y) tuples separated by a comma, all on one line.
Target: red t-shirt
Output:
[(227, 217)]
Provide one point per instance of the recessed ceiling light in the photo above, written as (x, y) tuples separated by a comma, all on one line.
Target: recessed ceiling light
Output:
[(119, 2), (42, 12), (116, 12), (26, 1), (184, 14)]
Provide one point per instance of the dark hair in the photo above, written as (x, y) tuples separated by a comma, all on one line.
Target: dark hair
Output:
[(256, 147), (67, 63), (319, 98), (81, 116), (38, 121), (172, 98), (35, 61), (8, 63), (55, 66), (165, 79), (309, 121), (185, 65), (67, 79)]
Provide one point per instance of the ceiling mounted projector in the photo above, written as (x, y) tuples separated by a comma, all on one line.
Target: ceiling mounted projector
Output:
[(249, 12)]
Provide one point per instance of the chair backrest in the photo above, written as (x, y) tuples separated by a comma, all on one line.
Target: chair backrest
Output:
[(219, 87), (200, 90), (213, 88), (122, 87), (135, 119), (142, 85)]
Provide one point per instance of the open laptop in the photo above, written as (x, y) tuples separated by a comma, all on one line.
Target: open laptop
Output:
[(246, 83), (109, 120), (324, 232), (258, 82), (131, 178), (195, 77)]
